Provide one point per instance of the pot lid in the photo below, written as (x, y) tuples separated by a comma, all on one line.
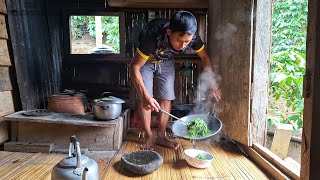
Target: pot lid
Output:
[(111, 99), (72, 161)]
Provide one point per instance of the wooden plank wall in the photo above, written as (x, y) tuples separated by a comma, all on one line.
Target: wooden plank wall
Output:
[(38, 65), (230, 40), (36, 28), (8, 85), (310, 147), (260, 72)]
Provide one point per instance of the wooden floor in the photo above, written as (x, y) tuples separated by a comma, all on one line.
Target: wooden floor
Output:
[(15, 166), (229, 163)]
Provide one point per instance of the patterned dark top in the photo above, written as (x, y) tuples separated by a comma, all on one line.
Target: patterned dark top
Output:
[(154, 44)]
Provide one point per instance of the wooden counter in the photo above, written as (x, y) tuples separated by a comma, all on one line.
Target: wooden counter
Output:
[(58, 127)]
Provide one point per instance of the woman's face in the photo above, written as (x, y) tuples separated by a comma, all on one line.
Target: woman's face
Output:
[(177, 41)]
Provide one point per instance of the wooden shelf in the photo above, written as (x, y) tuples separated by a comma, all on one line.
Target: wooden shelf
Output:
[(159, 3), (64, 118), (88, 58)]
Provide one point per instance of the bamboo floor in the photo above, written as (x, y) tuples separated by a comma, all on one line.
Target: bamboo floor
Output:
[(229, 163)]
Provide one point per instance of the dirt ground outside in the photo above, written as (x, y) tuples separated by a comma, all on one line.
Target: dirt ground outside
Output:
[(83, 45)]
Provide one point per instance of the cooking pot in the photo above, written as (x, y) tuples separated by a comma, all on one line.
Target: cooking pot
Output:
[(68, 102), (107, 108), (75, 166)]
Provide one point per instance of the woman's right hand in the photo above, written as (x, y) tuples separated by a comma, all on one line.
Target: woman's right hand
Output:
[(151, 103)]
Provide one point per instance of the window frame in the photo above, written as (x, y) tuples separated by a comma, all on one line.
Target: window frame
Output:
[(92, 57)]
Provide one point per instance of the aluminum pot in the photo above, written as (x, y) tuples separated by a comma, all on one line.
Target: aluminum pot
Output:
[(107, 108)]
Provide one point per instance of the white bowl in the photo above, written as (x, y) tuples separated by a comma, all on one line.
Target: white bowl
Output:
[(191, 159)]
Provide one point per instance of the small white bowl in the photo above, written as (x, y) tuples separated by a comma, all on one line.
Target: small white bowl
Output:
[(195, 162)]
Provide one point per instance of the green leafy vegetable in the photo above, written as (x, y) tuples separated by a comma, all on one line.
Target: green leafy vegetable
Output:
[(197, 128), (201, 157)]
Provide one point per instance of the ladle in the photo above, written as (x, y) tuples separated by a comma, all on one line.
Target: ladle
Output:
[(175, 117)]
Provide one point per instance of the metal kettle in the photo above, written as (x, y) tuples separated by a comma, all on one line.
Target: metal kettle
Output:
[(75, 166)]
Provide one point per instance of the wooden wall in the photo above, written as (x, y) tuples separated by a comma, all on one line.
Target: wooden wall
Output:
[(9, 101), (36, 48), (310, 145), (240, 37), (230, 38), (36, 28)]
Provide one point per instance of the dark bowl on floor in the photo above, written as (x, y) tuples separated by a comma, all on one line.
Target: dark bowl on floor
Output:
[(142, 162)]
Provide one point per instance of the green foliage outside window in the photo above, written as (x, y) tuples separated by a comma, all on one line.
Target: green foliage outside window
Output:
[(110, 28), (287, 66)]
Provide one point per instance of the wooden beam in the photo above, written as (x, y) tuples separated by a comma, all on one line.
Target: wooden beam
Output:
[(260, 77), (277, 161), (3, 8), (3, 27), (265, 164), (4, 131), (98, 30), (28, 147), (4, 53), (6, 105), (5, 82), (293, 163), (159, 3), (311, 131)]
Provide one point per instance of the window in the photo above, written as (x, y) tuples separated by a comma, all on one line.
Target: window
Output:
[(94, 35)]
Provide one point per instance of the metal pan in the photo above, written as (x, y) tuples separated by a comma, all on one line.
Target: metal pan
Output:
[(179, 128)]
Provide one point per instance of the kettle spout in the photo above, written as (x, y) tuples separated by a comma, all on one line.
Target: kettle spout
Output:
[(84, 174)]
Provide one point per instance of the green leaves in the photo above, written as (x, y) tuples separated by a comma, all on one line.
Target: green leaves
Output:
[(289, 26), (287, 65), (197, 128), (110, 28)]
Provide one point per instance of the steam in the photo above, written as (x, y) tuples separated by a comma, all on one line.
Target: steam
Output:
[(225, 32), (204, 101), (208, 83)]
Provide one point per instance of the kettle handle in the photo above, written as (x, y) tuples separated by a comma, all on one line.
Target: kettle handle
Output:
[(75, 145), (78, 155), (73, 140)]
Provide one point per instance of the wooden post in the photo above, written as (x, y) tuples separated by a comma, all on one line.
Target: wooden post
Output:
[(3, 8), (98, 31), (281, 140)]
